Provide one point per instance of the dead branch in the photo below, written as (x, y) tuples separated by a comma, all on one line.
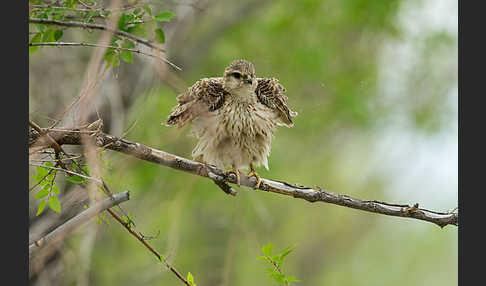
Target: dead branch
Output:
[(78, 220), (146, 153)]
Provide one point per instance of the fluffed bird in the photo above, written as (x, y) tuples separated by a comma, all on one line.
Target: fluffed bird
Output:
[(234, 118)]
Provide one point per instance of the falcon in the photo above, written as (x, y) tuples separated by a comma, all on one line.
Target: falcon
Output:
[(234, 118)]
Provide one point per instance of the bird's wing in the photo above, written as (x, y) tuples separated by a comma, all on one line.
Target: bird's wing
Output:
[(271, 94), (206, 95)]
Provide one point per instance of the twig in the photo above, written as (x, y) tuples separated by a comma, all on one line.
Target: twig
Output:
[(64, 44), (309, 194), (148, 246), (105, 28), (67, 171), (81, 218)]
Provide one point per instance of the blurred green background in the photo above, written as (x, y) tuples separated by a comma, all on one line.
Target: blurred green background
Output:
[(375, 85)]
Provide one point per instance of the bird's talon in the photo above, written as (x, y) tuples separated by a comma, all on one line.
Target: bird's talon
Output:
[(259, 180), (237, 174)]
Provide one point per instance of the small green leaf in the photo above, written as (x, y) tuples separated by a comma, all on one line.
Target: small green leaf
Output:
[(48, 36), (267, 249), (110, 57), (291, 278), (137, 11), (56, 190), (164, 16), (279, 277), (54, 204), (127, 56), (58, 34), (49, 164), (190, 279), (41, 27), (41, 173), (41, 207), (37, 38), (76, 179), (160, 35), (148, 9), (42, 193), (123, 21), (32, 49), (286, 251), (264, 258)]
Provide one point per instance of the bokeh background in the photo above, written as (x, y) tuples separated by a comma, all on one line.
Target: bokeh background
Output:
[(375, 85)]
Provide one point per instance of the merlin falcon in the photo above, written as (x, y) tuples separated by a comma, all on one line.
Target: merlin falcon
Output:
[(234, 118)]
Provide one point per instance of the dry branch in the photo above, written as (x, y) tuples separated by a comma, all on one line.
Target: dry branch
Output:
[(309, 194), (78, 220)]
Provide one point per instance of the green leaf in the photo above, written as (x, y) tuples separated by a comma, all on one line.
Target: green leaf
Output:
[(287, 250), (41, 207), (54, 204), (56, 190), (137, 11), (127, 56), (190, 279), (279, 277), (48, 35), (267, 249), (41, 27), (111, 57), (41, 173), (58, 34), (123, 21), (42, 193), (49, 164), (164, 16), (160, 35), (291, 278), (148, 9), (76, 179), (35, 39), (264, 258)]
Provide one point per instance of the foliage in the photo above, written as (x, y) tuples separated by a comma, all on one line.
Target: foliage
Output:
[(276, 260), (138, 20)]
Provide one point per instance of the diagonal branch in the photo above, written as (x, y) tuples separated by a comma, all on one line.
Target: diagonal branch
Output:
[(144, 242), (146, 153), (78, 220)]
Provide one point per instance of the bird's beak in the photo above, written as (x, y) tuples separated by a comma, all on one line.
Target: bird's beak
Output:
[(248, 80)]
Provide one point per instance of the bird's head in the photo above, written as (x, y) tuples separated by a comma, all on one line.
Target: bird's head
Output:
[(240, 75)]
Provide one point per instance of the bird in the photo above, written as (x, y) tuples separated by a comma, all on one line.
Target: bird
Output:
[(234, 118)]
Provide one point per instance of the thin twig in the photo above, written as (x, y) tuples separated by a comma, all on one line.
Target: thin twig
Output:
[(148, 246), (64, 44), (105, 28), (67, 171), (146, 153)]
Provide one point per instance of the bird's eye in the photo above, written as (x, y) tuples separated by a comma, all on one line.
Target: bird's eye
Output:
[(237, 75)]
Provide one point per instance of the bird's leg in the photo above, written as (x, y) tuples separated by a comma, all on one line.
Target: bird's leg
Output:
[(235, 171), (254, 174)]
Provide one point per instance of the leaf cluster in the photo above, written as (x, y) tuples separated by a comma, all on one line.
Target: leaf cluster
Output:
[(47, 193), (276, 260), (138, 20)]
